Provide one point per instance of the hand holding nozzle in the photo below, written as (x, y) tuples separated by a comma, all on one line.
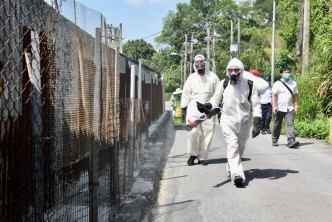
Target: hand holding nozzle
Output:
[(205, 115)]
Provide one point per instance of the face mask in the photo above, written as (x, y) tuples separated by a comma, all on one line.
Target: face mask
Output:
[(286, 76), (200, 69), (234, 78)]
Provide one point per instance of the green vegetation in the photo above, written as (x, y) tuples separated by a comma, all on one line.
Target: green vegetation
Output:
[(168, 95), (138, 49), (315, 84)]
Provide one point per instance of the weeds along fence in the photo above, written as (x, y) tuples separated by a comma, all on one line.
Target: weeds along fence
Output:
[(74, 113)]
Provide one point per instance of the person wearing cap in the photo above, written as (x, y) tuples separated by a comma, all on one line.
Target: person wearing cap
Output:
[(241, 104), (199, 87), (284, 92), (175, 100), (266, 109), (176, 97)]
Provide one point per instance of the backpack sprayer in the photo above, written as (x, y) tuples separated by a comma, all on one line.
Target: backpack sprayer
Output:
[(206, 115)]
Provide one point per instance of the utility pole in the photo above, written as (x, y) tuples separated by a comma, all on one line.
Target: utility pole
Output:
[(120, 38), (111, 33), (306, 36), (185, 58), (208, 47), (191, 53), (231, 35), (181, 69), (214, 47), (273, 40), (136, 51), (238, 36)]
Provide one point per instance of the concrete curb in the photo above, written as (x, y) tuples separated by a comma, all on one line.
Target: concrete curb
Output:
[(140, 200)]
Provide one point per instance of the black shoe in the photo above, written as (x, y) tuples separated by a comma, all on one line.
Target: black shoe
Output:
[(191, 160), (274, 143), (263, 132), (238, 181), (293, 144), (203, 162), (268, 131)]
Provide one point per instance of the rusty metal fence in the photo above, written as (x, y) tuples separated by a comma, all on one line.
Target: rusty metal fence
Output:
[(72, 129)]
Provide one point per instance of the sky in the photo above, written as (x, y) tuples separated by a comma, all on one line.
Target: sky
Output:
[(139, 18)]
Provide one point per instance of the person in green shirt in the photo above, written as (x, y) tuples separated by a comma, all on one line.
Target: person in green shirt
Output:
[(176, 98)]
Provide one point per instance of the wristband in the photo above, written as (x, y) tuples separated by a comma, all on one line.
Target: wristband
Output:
[(296, 107)]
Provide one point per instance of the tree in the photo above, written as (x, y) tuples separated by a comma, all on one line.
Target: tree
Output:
[(256, 44), (176, 24), (204, 7), (138, 49), (264, 9)]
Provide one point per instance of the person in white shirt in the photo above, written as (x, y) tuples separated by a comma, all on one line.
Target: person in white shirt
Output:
[(199, 87), (283, 94), (266, 109)]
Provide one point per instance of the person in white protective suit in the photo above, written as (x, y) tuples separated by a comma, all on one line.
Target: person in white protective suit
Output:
[(240, 103), (199, 87)]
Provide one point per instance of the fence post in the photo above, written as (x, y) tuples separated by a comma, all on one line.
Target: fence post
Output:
[(132, 121), (33, 66), (163, 92), (94, 160), (139, 108)]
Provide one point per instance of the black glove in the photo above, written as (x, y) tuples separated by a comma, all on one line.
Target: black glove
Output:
[(184, 109), (257, 126), (204, 108), (209, 115)]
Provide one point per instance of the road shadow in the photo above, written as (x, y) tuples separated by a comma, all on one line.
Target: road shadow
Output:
[(178, 156), (223, 160), (222, 183), (176, 203), (169, 178), (304, 144), (271, 174)]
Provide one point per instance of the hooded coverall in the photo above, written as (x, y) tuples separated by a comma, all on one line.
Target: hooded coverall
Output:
[(236, 117), (199, 88)]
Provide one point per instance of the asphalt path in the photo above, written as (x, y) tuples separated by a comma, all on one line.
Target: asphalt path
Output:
[(282, 184)]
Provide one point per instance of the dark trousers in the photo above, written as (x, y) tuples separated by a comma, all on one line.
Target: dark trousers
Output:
[(266, 116), (289, 123)]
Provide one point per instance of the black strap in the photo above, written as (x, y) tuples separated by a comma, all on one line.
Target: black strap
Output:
[(226, 82), (287, 88), (250, 83)]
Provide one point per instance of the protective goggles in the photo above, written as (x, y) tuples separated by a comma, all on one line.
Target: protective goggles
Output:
[(233, 70), (197, 62)]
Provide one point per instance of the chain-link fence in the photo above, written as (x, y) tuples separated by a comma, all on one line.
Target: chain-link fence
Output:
[(72, 130)]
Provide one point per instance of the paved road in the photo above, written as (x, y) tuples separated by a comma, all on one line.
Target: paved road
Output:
[(282, 184)]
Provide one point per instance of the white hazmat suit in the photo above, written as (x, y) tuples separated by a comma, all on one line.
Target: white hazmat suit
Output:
[(199, 88), (236, 117)]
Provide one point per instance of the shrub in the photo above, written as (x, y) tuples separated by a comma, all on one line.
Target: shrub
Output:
[(318, 129), (314, 129)]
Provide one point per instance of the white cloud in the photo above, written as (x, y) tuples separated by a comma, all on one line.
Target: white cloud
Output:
[(135, 2)]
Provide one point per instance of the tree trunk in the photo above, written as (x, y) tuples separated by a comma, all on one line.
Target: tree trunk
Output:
[(306, 36), (299, 42)]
